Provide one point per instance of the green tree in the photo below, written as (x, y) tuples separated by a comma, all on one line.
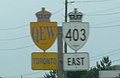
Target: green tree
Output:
[(51, 74), (104, 64), (76, 74), (92, 73), (118, 76)]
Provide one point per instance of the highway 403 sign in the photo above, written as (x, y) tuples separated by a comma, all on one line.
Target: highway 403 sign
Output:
[(76, 34)]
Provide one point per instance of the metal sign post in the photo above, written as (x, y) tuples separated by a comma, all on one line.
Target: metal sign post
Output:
[(60, 53), (75, 34)]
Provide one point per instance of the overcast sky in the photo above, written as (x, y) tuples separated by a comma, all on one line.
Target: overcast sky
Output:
[(16, 44)]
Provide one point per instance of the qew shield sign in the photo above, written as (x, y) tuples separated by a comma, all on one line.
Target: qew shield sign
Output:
[(76, 34), (44, 34)]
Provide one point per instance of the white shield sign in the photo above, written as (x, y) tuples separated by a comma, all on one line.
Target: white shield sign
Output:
[(76, 34)]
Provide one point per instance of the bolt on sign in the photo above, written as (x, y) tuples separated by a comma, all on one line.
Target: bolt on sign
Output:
[(44, 61), (43, 32)]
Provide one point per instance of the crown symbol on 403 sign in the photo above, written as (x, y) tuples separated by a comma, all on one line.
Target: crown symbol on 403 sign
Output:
[(75, 16)]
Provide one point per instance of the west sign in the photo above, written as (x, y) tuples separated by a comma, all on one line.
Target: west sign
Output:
[(76, 34)]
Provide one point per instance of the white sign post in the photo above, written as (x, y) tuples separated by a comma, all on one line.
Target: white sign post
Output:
[(76, 61)]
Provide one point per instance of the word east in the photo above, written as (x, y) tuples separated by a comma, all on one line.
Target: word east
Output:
[(75, 61)]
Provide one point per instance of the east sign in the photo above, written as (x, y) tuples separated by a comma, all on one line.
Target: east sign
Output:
[(76, 61), (44, 34), (76, 34), (44, 61)]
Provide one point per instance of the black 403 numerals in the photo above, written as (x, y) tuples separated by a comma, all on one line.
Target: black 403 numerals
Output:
[(75, 34)]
